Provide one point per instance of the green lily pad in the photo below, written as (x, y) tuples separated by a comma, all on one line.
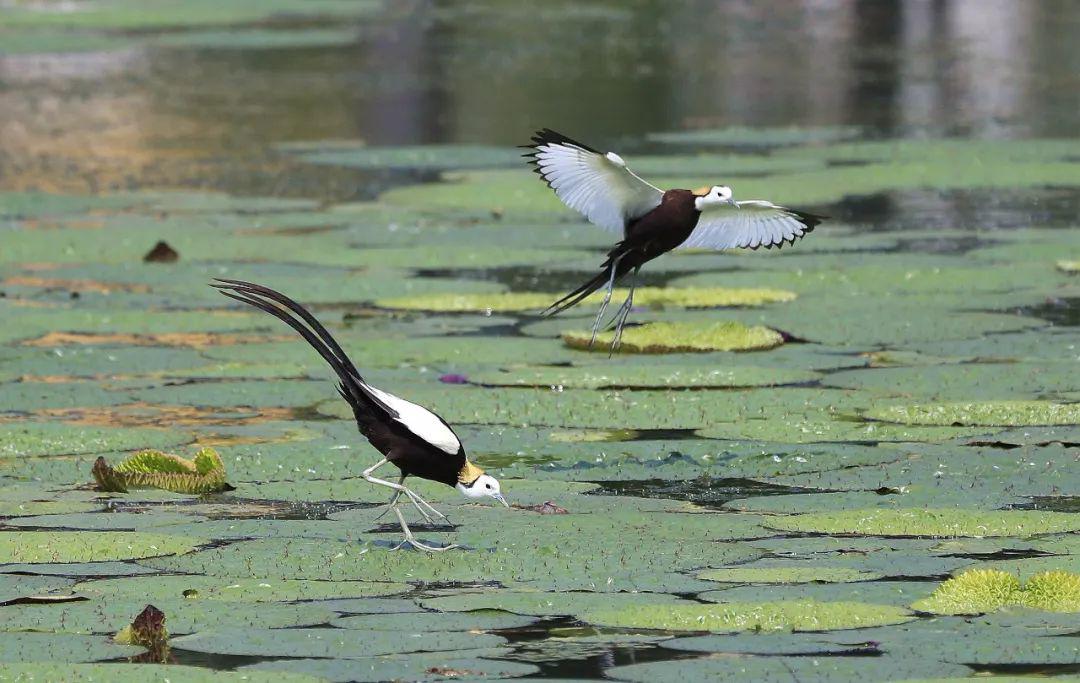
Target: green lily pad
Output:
[(194, 587), (764, 616), (418, 157), (739, 136), (109, 615), (787, 575), (415, 666), (544, 604), (681, 338), (642, 376), (13, 586), (930, 522), (652, 297), (964, 381), (104, 521), (996, 413), (894, 593), (786, 669), (77, 569), (54, 647), (426, 622), (257, 39), (44, 438), (140, 673), (326, 643), (72, 546)]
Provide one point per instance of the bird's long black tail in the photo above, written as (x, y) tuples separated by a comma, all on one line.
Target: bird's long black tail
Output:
[(615, 260), (352, 386)]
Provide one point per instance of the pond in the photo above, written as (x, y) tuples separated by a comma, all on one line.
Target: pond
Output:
[(867, 469)]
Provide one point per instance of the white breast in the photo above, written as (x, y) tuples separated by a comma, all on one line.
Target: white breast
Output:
[(421, 422)]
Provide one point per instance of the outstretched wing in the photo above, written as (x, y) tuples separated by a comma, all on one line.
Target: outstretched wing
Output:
[(748, 225), (599, 186)]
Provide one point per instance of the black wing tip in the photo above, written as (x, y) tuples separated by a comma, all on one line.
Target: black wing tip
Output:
[(547, 136)]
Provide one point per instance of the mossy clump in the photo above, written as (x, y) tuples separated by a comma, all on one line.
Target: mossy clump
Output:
[(652, 297), (205, 473), (681, 338), (977, 591), (1069, 266), (1053, 591), (973, 592), (981, 414)]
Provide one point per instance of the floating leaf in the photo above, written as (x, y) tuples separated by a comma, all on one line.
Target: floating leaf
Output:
[(543, 604), (930, 522), (140, 673), (997, 413), (741, 136), (73, 546), (194, 587), (327, 642), (681, 338), (29, 438), (642, 376), (653, 297), (787, 575), (58, 648), (419, 157), (416, 666), (763, 616), (428, 622), (205, 473)]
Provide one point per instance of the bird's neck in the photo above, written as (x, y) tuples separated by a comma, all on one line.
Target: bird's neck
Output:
[(468, 473)]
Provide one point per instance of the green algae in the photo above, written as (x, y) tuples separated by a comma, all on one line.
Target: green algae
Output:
[(977, 591)]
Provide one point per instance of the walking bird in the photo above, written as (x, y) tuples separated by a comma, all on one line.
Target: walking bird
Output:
[(416, 440), (650, 221)]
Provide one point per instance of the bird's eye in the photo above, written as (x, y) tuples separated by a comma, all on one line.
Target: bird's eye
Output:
[(488, 485)]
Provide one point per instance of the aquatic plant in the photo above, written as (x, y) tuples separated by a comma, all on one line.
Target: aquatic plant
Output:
[(205, 473)]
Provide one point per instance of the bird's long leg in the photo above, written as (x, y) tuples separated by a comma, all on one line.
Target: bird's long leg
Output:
[(411, 540), (622, 313), (399, 488), (393, 499), (605, 302)]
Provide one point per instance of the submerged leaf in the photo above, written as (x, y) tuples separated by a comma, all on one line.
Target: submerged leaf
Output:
[(682, 337)]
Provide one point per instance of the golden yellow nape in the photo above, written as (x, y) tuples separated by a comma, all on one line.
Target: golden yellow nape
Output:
[(469, 473), (702, 191)]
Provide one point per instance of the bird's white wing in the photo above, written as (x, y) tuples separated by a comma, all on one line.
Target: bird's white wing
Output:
[(420, 421), (599, 186), (749, 224)]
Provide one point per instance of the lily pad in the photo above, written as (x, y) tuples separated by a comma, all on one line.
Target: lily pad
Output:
[(764, 616), (140, 673), (642, 376), (681, 338), (53, 647), (109, 615), (995, 413), (44, 438), (805, 669), (787, 575), (651, 297), (327, 642), (740, 136), (428, 622), (418, 157), (930, 522), (415, 666), (72, 546), (14, 586), (194, 587), (544, 604)]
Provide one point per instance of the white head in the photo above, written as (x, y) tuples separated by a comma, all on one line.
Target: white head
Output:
[(484, 486), (717, 194)]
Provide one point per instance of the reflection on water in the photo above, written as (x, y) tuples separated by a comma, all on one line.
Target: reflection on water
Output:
[(489, 71)]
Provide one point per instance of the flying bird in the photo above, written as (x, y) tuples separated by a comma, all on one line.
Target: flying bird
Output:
[(416, 440), (650, 221)]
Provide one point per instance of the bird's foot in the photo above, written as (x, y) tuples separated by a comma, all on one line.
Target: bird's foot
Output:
[(411, 542), (427, 510)]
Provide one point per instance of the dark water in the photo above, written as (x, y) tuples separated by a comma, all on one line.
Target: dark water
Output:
[(427, 71)]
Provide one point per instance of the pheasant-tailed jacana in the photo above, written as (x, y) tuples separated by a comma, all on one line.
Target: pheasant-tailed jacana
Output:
[(650, 221), (413, 438)]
